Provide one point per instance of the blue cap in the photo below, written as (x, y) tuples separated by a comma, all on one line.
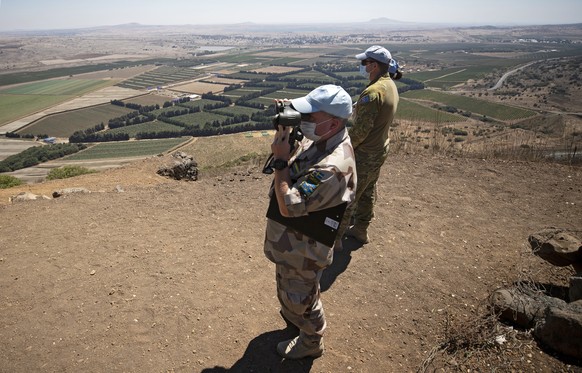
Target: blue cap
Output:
[(331, 99), (377, 53)]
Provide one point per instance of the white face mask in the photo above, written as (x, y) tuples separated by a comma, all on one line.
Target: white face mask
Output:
[(308, 130), (363, 72)]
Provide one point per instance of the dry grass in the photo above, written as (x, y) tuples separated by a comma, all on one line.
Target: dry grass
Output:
[(412, 137)]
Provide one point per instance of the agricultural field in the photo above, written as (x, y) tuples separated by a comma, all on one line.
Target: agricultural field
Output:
[(313, 75), (236, 93), (199, 87), (60, 87), (236, 110), (20, 101), (125, 149), (156, 126), (276, 69), (10, 147), (65, 124), (160, 77), (13, 107), (227, 81), (473, 105), (411, 111), (146, 100), (285, 93), (200, 103), (246, 76), (199, 119)]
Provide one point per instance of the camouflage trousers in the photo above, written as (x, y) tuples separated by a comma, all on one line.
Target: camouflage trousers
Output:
[(299, 295), (361, 210)]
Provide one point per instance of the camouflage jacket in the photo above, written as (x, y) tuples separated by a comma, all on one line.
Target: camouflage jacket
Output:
[(373, 116), (323, 176)]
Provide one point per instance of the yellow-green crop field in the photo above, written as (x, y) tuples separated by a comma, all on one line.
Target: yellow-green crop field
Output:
[(126, 149), (71, 87), (408, 110), (20, 101), (13, 107), (490, 109)]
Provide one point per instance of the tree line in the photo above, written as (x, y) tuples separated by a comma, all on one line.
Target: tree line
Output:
[(38, 154)]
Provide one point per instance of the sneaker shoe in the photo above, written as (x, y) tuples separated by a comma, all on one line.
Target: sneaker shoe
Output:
[(299, 348), (359, 233)]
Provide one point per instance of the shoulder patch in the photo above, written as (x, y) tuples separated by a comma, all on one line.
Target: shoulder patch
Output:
[(310, 184), (365, 99)]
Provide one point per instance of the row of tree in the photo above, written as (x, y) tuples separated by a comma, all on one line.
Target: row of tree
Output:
[(38, 154)]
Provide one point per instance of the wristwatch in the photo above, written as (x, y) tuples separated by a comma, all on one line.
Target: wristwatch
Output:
[(279, 164)]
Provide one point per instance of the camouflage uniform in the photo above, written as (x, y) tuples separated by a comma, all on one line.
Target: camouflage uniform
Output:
[(324, 176), (373, 115)]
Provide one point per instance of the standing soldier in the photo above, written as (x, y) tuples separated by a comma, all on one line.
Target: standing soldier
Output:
[(374, 113), (318, 176)]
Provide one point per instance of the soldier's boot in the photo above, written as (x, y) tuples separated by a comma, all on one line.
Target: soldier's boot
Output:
[(300, 347), (359, 231)]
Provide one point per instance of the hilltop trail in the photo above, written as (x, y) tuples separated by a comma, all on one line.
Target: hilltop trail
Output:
[(170, 276)]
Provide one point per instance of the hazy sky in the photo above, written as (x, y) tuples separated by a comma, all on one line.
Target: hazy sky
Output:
[(59, 14)]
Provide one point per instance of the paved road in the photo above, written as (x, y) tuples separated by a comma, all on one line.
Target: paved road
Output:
[(507, 74)]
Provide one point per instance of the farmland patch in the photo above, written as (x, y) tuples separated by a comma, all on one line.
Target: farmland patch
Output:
[(149, 127), (64, 124), (473, 105), (408, 110), (151, 99), (200, 119), (62, 87), (199, 88), (276, 69), (125, 149), (225, 80), (13, 107)]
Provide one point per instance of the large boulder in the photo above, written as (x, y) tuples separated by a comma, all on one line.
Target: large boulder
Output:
[(557, 324), (559, 247), (183, 167), (561, 330)]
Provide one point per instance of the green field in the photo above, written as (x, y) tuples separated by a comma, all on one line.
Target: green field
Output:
[(473, 105), (236, 110), (128, 149), (313, 75), (285, 93), (156, 126), (62, 87), (21, 101), (199, 119), (199, 103), (408, 110), (13, 107), (65, 124)]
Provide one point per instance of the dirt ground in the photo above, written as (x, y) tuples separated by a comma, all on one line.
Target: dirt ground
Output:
[(146, 274)]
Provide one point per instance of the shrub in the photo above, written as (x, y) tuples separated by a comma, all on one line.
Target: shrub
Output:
[(68, 171), (7, 181)]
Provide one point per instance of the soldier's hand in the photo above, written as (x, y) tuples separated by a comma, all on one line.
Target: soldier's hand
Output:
[(280, 147)]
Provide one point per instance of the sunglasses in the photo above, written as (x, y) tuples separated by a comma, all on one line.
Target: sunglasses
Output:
[(367, 62)]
